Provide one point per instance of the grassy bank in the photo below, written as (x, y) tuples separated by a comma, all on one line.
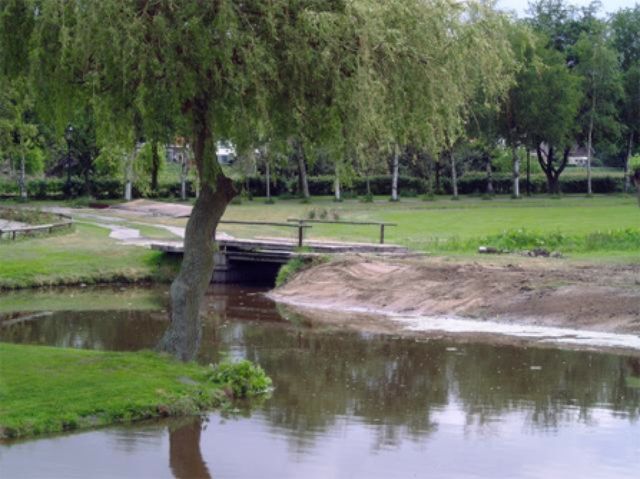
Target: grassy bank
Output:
[(600, 227), (86, 255), (45, 390)]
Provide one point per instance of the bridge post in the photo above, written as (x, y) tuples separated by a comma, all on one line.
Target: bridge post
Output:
[(300, 233)]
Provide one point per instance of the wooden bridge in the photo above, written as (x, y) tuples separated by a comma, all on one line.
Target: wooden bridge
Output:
[(259, 259)]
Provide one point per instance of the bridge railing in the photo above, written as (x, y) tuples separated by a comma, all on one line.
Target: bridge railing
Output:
[(381, 224), (300, 227)]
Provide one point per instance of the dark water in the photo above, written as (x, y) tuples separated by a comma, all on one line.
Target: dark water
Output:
[(351, 404)]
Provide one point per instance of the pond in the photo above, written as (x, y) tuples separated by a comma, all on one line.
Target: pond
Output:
[(346, 403)]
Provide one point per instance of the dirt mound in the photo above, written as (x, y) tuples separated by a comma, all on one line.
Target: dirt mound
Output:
[(538, 291)]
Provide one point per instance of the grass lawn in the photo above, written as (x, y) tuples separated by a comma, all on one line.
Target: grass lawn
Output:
[(464, 224), (44, 389), (87, 255), (600, 228)]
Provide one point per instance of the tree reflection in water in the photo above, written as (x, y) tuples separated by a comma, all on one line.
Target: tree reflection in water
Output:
[(185, 457)]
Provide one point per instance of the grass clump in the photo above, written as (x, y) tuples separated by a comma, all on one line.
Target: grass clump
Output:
[(243, 379), (47, 390), (288, 270)]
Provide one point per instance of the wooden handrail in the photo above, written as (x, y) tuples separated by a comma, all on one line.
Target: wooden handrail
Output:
[(382, 224), (301, 227)]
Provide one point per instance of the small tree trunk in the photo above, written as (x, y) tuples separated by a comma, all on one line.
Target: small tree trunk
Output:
[(128, 174), (183, 179), (454, 174), (336, 185), (636, 180), (553, 184), (368, 184), (155, 166), (394, 177), (182, 338), (489, 173), (516, 172), (302, 172), (528, 172), (627, 175), (22, 178), (437, 175), (267, 174), (589, 143)]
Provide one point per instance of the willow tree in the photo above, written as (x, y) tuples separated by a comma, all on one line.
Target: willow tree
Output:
[(468, 56), (206, 63)]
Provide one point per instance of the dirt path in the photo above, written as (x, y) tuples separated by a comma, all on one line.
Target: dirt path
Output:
[(533, 292)]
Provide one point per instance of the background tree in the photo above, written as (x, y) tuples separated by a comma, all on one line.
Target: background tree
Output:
[(511, 117), (550, 125), (18, 130), (597, 65), (625, 27)]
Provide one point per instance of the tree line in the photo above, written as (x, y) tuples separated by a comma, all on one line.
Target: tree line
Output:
[(571, 77)]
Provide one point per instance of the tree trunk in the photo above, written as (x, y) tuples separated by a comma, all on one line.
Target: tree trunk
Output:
[(553, 184), (528, 172), (627, 173), (516, 172), (368, 184), (589, 143), (551, 172), (437, 175), (303, 183), (394, 176), (336, 185), (267, 174), (22, 178), (155, 166), (183, 180), (636, 180), (182, 338), (128, 174), (489, 172), (454, 174)]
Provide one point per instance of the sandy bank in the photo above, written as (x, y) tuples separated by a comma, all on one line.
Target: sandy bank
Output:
[(532, 292)]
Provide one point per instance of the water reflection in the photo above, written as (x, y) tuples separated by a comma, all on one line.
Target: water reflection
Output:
[(349, 403), (185, 458)]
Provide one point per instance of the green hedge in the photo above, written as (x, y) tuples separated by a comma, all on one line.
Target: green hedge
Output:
[(100, 188), (470, 183)]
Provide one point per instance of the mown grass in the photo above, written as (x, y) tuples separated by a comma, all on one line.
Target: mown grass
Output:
[(600, 226), (45, 389), (86, 255)]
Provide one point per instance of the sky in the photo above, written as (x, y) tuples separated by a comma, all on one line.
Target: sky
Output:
[(608, 6)]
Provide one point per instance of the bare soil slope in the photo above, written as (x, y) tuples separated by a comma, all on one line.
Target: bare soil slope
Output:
[(532, 291)]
